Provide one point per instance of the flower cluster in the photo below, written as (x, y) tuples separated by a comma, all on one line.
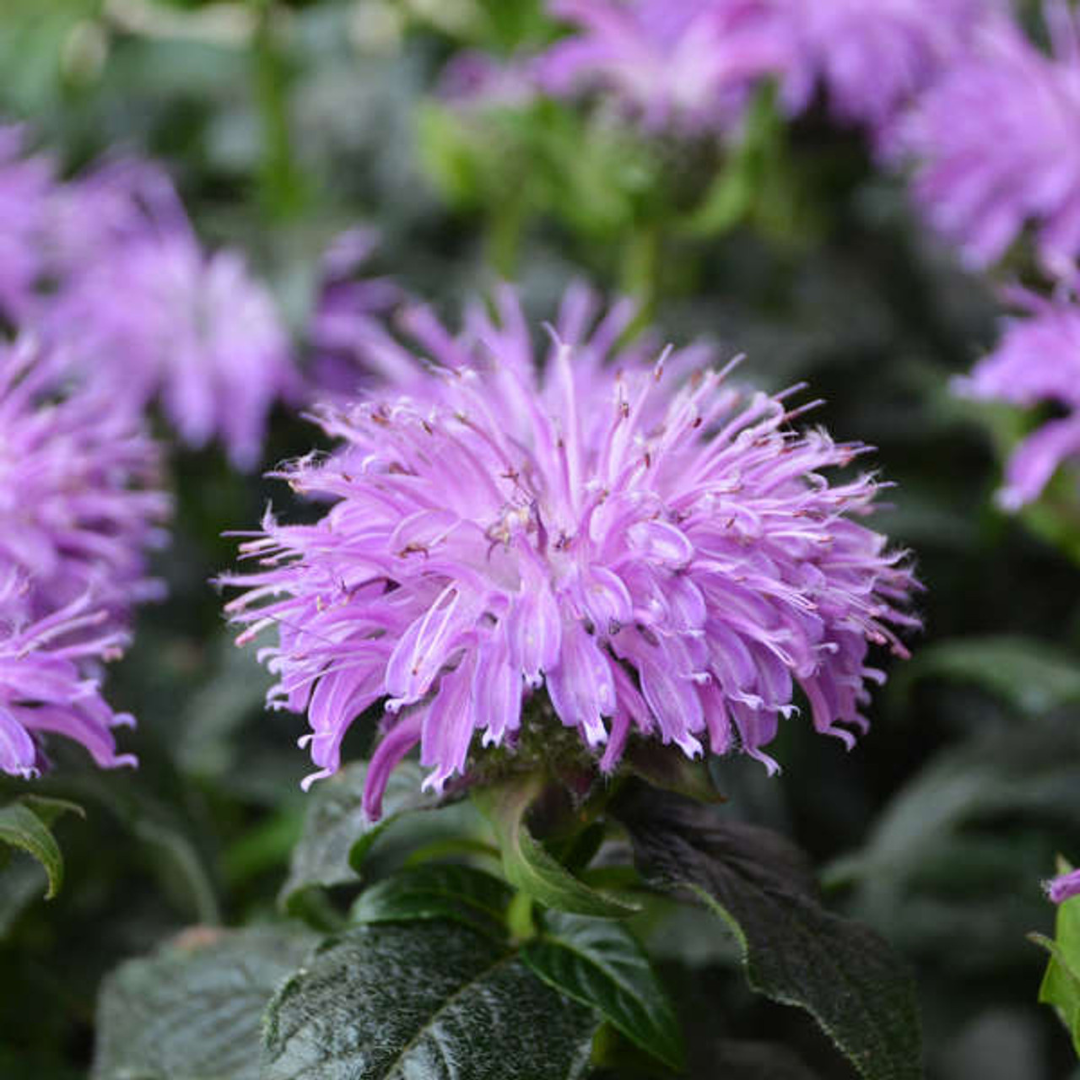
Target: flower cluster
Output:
[(655, 548), (994, 144), (80, 505), (116, 305), (692, 62), (79, 494), (872, 59), (42, 688), (160, 318), (108, 267), (1036, 361)]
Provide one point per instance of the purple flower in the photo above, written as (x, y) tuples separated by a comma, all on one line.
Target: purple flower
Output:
[(115, 202), (872, 58), (157, 317), (79, 497), (995, 146), (657, 550), (690, 63), (42, 690), (1037, 360), (26, 184), (1063, 887)]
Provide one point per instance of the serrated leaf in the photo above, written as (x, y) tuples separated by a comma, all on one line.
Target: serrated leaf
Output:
[(425, 1001), (23, 827), (193, 1011), (598, 962), (337, 833), (437, 891), (1061, 984), (1033, 676), (528, 866), (795, 951)]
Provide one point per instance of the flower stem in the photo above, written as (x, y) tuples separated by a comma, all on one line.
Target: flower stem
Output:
[(281, 184)]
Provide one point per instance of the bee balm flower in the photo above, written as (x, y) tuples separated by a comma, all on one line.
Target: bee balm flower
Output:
[(994, 144), (873, 58), (691, 63), (42, 691), (79, 496), (159, 317), (652, 548), (1036, 361)]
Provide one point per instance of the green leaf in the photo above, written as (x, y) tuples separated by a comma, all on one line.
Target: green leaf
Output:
[(337, 833), (426, 1001), (25, 823), (1022, 771), (1061, 984), (49, 808), (795, 951), (437, 891), (669, 768), (527, 865), (598, 962), (21, 882), (193, 1011), (1033, 676)]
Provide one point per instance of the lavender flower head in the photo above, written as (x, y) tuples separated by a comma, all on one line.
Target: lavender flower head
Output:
[(159, 317), (872, 58), (690, 63), (1063, 887), (42, 690), (26, 184), (1037, 360), (995, 144), (79, 496), (661, 558)]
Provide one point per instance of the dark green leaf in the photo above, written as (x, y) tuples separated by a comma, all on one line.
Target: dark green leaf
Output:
[(337, 834), (795, 951), (426, 1001), (49, 809), (232, 691), (21, 881), (669, 768), (1028, 770), (1033, 676), (194, 1010), (437, 891), (25, 824), (598, 962), (525, 862)]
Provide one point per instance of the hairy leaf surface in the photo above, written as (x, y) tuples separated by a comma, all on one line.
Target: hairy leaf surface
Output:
[(427, 1000)]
